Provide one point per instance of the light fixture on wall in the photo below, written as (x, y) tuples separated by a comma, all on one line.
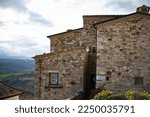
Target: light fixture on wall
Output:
[(87, 49)]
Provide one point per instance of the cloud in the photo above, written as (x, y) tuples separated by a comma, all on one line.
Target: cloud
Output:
[(2, 23), (124, 4), (127, 5), (35, 17), (24, 41), (19, 41), (20, 6), (20, 45)]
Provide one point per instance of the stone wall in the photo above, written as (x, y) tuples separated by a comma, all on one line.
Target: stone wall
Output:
[(123, 52), (67, 40), (69, 65), (89, 29), (82, 37)]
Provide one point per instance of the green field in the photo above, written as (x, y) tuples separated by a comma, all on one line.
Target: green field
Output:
[(8, 75)]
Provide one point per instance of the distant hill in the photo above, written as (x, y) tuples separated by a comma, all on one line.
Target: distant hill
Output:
[(6, 56), (18, 73), (16, 65)]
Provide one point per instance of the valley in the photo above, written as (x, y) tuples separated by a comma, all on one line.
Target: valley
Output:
[(19, 75)]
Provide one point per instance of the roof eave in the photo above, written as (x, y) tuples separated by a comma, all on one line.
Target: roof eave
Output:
[(50, 36), (96, 24)]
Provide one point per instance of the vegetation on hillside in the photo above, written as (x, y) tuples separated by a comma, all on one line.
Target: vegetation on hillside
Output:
[(18, 74), (8, 75)]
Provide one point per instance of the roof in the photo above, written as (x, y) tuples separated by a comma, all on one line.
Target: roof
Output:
[(73, 30), (103, 15), (118, 18), (7, 91), (43, 56), (68, 31)]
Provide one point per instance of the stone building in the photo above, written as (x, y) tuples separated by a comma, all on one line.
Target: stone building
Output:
[(113, 49)]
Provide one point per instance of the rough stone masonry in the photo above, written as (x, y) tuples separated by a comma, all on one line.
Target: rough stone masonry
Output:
[(113, 49)]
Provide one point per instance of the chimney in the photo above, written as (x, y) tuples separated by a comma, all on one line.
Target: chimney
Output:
[(68, 30), (143, 9)]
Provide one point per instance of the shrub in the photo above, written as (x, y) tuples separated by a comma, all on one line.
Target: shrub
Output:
[(143, 95), (103, 95), (130, 95), (127, 95), (116, 96)]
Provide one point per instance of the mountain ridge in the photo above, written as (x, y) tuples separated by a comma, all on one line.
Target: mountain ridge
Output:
[(16, 65), (7, 56)]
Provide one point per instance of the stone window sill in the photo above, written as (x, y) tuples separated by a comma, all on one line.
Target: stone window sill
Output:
[(53, 86)]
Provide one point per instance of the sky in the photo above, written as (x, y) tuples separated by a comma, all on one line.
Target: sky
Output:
[(25, 24)]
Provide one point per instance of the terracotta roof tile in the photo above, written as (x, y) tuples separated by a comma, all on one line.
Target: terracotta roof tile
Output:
[(7, 91)]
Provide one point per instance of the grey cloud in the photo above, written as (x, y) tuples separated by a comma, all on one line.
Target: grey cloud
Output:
[(20, 41), (28, 47), (24, 41), (18, 5), (144, 2), (37, 18), (2, 23), (126, 4)]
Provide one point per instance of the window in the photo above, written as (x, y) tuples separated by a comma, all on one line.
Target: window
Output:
[(107, 78), (139, 77), (138, 80), (93, 49), (53, 78), (109, 39), (100, 78)]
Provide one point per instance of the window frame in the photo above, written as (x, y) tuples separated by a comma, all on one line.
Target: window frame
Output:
[(50, 78), (139, 81)]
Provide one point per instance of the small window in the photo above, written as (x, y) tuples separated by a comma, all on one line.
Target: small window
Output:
[(100, 78), (109, 39), (93, 49), (107, 78), (53, 78), (138, 80)]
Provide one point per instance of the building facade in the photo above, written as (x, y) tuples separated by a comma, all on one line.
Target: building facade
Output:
[(113, 49)]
